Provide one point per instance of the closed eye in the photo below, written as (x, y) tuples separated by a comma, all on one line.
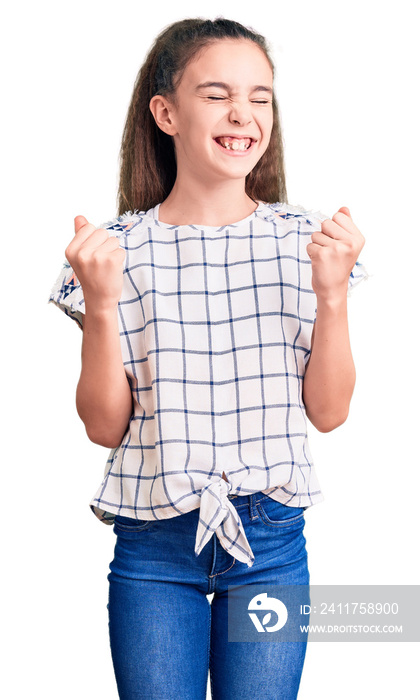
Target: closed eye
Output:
[(218, 98)]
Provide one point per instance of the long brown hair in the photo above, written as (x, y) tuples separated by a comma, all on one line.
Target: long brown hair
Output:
[(147, 155)]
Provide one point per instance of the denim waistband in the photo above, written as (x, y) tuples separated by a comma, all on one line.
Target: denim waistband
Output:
[(251, 499)]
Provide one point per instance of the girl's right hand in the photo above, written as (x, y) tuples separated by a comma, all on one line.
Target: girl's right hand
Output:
[(98, 261)]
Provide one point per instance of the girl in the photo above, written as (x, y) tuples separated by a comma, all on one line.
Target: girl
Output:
[(201, 358)]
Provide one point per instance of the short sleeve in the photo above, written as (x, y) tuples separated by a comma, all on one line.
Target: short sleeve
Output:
[(67, 294), (357, 275)]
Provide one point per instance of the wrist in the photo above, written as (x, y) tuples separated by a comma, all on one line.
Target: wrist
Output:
[(332, 298), (332, 305), (100, 312)]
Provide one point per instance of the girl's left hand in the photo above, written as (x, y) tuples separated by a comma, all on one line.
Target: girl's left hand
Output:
[(333, 252)]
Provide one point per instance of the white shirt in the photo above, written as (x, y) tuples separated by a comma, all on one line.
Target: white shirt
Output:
[(215, 327)]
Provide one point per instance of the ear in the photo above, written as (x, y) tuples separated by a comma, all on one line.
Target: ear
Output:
[(163, 113)]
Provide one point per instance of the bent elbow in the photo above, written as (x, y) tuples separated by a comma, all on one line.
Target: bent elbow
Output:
[(328, 423), (328, 427), (103, 440), (101, 431)]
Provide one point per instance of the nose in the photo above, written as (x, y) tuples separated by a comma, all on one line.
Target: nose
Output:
[(240, 113)]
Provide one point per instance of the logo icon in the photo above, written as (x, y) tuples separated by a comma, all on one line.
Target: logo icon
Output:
[(263, 602)]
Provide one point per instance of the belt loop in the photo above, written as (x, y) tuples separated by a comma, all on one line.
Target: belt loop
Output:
[(253, 514)]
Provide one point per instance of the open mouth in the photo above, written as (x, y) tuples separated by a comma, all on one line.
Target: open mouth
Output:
[(231, 143)]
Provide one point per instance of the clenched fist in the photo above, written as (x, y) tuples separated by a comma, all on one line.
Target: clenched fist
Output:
[(98, 261), (333, 252)]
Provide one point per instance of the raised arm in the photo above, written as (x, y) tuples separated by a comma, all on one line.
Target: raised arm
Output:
[(103, 396), (330, 373)]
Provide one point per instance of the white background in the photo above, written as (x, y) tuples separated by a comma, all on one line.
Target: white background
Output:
[(348, 91)]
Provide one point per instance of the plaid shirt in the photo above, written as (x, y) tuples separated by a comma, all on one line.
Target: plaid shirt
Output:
[(215, 328)]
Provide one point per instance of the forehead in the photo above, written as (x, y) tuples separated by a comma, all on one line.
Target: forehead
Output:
[(236, 62)]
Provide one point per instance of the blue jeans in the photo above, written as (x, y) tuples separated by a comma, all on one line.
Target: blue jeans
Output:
[(164, 633)]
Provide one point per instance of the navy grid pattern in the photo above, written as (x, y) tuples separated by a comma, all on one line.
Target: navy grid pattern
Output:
[(215, 326)]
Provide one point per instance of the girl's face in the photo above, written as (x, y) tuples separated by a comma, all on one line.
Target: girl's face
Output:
[(223, 116)]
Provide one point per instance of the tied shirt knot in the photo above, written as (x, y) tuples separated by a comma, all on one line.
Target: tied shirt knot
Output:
[(218, 515)]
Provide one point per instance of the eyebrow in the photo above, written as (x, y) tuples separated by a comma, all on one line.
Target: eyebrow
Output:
[(225, 86)]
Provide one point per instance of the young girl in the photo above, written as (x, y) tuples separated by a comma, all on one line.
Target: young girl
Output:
[(201, 358)]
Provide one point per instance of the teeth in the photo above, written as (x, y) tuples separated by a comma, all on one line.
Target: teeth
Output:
[(232, 144)]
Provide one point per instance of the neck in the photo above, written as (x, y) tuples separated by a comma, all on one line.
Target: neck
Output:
[(200, 203)]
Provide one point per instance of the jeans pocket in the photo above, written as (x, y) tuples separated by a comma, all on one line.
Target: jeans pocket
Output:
[(278, 514), (123, 524)]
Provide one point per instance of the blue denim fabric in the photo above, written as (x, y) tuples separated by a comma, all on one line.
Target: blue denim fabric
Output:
[(164, 633)]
